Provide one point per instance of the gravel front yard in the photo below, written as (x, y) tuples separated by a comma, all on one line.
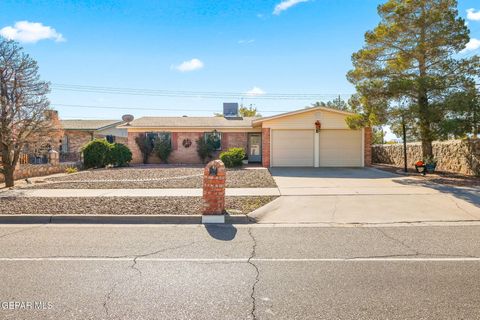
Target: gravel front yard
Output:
[(152, 177), (125, 205)]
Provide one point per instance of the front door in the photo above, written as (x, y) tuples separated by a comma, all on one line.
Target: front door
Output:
[(255, 147)]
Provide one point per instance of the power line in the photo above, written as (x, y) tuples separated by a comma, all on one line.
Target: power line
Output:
[(193, 94), (152, 109)]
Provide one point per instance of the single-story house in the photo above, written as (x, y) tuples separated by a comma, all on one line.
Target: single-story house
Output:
[(77, 133), (313, 137)]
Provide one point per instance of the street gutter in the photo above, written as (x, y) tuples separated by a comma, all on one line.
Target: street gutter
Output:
[(115, 219)]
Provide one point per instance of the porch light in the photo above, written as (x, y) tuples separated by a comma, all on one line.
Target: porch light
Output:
[(318, 126)]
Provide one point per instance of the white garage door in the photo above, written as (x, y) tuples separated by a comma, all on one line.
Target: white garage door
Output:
[(292, 148), (340, 148)]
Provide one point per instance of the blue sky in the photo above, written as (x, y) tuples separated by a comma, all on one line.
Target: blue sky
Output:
[(294, 47)]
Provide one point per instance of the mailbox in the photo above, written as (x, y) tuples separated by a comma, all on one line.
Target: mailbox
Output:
[(318, 126), (212, 171)]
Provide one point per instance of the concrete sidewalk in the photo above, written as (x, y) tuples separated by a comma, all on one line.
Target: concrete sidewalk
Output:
[(77, 193)]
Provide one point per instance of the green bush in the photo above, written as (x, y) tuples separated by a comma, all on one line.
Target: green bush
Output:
[(205, 149), (233, 157), (96, 153), (163, 148), (100, 153), (119, 155)]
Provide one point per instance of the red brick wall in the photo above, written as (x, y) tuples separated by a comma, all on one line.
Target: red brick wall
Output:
[(234, 140), (180, 154), (77, 139), (266, 147), (183, 155), (367, 153), (132, 145)]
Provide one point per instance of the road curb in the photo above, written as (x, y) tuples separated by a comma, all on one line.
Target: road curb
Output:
[(114, 219)]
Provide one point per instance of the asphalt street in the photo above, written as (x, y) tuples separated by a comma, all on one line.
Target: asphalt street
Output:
[(239, 272)]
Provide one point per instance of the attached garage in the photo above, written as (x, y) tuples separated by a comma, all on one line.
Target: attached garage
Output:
[(292, 148), (340, 148), (315, 137)]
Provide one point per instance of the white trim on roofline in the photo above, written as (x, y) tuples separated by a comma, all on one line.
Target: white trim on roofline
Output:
[(295, 112)]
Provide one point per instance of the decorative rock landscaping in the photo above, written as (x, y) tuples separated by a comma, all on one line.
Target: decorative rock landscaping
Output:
[(125, 205), (456, 156), (155, 177)]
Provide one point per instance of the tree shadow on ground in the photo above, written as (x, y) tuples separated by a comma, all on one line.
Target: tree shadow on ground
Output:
[(223, 232), (468, 194)]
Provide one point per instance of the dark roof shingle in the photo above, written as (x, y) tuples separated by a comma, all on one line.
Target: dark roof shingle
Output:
[(191, 122), (79, 124)]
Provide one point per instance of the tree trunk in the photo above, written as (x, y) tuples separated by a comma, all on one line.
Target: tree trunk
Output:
[(427, 149), (8, 173), (8, 167), (425, 125)]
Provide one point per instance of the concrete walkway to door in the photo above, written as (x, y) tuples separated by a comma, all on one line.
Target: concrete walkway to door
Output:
[(364, 195)]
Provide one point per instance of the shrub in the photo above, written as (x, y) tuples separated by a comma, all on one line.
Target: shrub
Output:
[(205, 149), (145, 146), (100, 153), (71, 170), (233, 157), (163, 148), (96, 153), (119, 155)]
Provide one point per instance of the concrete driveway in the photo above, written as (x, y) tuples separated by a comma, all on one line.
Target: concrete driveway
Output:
[(364, 195)]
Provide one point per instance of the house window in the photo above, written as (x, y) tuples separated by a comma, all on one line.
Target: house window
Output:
[(215, 137), (110, 138), (153, 136)]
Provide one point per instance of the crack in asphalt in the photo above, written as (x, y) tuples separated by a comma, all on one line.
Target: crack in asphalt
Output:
[(398, 241), (257, 275), (133, 266), (19, 231), (416, 252)]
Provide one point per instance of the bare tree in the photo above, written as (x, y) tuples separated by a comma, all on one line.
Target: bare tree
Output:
[(24, 106)]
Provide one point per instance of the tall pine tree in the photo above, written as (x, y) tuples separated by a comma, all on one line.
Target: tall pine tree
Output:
[(412, 54)]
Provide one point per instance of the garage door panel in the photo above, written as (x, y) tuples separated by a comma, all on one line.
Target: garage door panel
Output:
[(340, 148), (292, 148)]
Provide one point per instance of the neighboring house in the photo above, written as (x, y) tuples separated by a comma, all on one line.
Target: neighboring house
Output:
[(79, 132), (314, 137)]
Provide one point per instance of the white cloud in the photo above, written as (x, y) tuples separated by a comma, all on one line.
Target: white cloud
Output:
[(473, 15), (30, 32), (189, 65), (286, 4), (472, 45), (255, 91), (246, 41)]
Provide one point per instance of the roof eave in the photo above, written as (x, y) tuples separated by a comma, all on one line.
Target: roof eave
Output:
[(182, 127), (295, 112)]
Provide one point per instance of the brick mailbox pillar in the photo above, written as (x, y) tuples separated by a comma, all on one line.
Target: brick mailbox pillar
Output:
[(214, 177)]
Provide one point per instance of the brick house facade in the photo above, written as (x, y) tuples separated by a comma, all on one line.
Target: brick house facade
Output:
[(308, 137), (184, 146), (77, 133)]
